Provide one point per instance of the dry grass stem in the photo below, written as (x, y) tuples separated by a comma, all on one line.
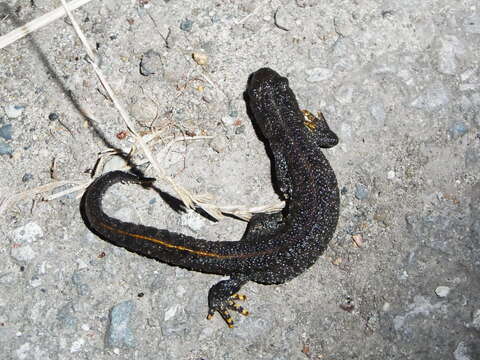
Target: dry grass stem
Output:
[(68, 191), (7, 201), (38, 23)]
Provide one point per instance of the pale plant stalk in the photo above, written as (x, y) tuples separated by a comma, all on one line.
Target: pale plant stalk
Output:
[(38, 23)]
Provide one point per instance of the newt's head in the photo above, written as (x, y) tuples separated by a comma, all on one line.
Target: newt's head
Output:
[(270, 99)]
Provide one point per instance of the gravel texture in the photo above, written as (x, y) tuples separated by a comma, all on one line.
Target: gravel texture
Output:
[(399, 81)]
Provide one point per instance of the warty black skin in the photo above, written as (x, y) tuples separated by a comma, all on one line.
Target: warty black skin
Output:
[(275, 247)]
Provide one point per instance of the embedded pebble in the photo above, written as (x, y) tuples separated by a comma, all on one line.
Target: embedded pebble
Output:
[(284, 19), (119, 333), (6, 131), (391, 175), (23, 253), (77, 345), (318, 74), (171, 312), (464, 76), (434, 97), (344, 94), (386, 306), (28, 233), (5, 149), (66, 316), (219, 144), (229, 120), (240, 130), (361, 192), (442, 291), (151, 63), (457, 130), (14, 111), (27, 177), (53, 116), (358, 240), (186, 25), (451, 49), (462, 352), (200, 58), (81, 286), (35, 282)]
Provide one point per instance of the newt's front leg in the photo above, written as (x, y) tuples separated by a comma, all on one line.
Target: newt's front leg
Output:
[(222, 296)]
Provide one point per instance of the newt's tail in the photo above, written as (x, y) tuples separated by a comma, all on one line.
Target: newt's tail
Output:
[(173, 248)]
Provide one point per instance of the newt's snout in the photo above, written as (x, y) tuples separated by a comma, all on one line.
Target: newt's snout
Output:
[(261, 77)]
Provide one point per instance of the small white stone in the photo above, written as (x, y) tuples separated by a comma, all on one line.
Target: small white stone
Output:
[(442, 291), (23, 253), (467, 74), (318, 74), (77, 345), (28, 233), (85, 327), (81, 264), (180, 291), (391, 175), (386, 307), (200, 58), (35, 283), (170, 313), (437, 95), (344, 94), (14, 111)]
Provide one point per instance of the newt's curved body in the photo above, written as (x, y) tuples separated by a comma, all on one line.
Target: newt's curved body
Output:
[(275, 247)]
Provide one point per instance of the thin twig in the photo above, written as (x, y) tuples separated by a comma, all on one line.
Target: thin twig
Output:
[(7, 201), (38, 23)]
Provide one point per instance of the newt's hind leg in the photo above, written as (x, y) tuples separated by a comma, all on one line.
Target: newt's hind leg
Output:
[(222, 296)]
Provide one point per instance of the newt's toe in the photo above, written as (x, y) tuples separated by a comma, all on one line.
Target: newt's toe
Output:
[(221, 298), (223, 307)]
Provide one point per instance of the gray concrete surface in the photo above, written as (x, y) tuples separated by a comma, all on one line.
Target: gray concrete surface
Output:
[(399, 81)]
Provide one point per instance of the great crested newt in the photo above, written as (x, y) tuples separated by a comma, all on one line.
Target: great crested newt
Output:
[(275, 247)]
